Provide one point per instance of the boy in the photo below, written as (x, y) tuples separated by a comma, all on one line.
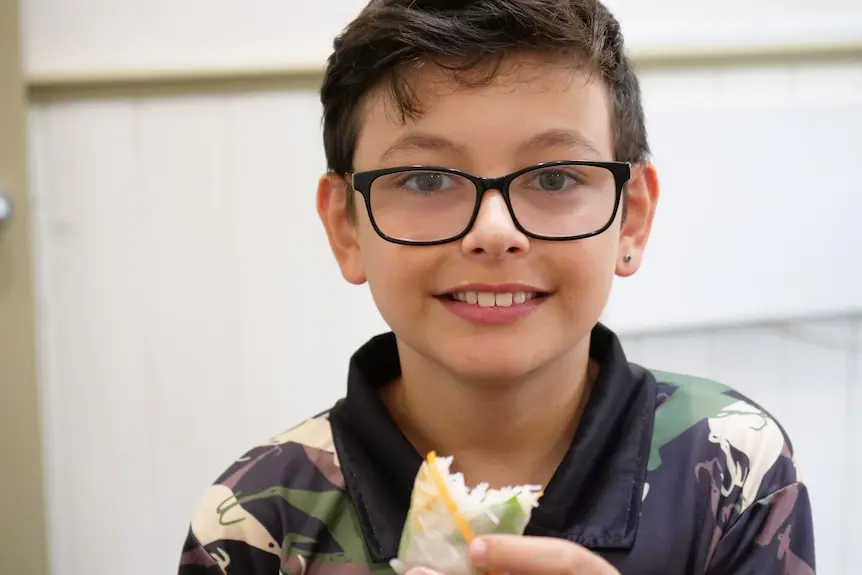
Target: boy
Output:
[(488, 176)]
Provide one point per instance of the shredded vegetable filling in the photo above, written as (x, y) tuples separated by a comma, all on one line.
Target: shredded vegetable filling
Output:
[(449, 501)]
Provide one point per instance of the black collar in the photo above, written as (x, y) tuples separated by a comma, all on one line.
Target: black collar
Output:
[(593, 499)]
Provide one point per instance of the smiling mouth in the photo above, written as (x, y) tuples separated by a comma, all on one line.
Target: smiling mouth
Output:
[(493, 299)]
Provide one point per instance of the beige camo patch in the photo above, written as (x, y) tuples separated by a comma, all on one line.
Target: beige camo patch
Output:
[(314, 433), (755, 434), (219, 518)]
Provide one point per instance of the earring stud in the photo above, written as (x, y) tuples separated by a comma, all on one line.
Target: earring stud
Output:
[(627, 258)]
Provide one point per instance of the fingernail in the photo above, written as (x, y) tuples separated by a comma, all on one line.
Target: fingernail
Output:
[(478, 548), (421, 571)]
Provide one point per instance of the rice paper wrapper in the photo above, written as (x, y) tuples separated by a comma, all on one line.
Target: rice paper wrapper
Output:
[(445, 515)]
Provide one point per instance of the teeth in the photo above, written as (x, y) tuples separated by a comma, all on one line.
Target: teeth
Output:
[(486, 299), (490, 299), (504, 299)]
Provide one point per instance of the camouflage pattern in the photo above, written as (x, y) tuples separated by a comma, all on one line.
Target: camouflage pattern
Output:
[(722, 496)]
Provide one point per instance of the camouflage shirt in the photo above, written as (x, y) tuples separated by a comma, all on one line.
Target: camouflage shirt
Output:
[(667, 475)]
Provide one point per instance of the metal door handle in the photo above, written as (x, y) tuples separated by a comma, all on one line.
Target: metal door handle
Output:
[(5, 208)]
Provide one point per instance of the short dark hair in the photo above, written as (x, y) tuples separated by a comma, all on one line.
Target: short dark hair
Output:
[(389, 37)]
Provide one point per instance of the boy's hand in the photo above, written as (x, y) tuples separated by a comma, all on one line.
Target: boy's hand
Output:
[(517, 555)]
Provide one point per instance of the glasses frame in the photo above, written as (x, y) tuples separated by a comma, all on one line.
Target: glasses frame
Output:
[(362, 181)]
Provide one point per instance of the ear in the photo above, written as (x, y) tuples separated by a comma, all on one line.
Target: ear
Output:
[(643, 195), (340, 226)]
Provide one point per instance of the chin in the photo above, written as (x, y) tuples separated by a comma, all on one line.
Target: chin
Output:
[(494, 366), (488, 376)]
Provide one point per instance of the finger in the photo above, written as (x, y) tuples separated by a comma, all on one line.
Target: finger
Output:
[(518, 555), (421, 571)]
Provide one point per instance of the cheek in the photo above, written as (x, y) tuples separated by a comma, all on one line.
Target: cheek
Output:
[(386, 284), (399, 277), (587, 271)]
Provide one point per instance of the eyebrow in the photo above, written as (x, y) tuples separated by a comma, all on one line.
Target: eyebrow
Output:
[(559, 139), (420, 143), (554, 138)]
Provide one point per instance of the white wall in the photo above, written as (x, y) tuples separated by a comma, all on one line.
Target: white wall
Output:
[(63, 36), (759, 192), (187, 295)]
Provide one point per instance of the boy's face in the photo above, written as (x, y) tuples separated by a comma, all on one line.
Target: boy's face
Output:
[(490, 131)]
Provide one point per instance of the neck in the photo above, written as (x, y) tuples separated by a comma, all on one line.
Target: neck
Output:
[(505, 434)]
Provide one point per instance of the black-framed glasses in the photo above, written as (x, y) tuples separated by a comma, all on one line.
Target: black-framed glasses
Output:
[(429, 205)]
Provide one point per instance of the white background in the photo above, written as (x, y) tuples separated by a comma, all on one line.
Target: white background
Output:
[(190, 308)]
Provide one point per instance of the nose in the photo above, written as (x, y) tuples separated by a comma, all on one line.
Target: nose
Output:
[(494, 234)]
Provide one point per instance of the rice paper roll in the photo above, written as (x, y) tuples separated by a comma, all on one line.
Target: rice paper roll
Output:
[(445, 515)]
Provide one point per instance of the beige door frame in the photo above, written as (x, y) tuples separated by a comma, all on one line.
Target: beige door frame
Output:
[(23, 540)]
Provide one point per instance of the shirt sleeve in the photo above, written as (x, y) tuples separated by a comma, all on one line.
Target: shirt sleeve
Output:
[(231, 557), (774, 536), (196, 559)]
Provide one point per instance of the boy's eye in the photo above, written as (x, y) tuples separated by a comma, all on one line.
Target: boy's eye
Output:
[(553, 181), (427, 181)]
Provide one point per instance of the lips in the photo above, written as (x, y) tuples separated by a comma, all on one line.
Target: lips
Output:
[(493, 305)]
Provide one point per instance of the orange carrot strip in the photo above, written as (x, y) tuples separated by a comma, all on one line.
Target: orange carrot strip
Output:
[(461, 523)]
